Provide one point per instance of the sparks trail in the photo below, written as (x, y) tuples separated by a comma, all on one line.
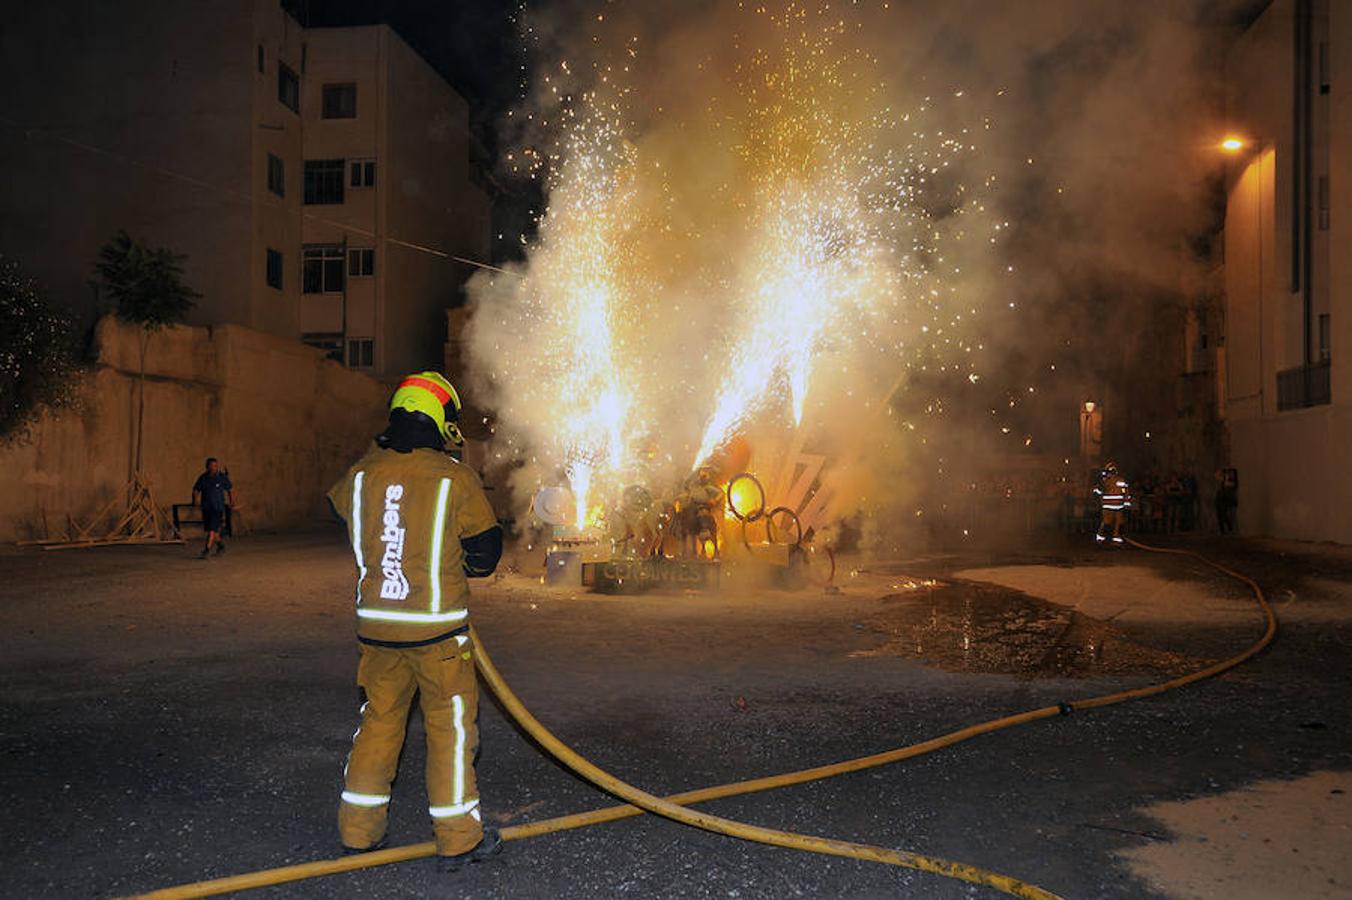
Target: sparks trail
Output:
[(767, 247)]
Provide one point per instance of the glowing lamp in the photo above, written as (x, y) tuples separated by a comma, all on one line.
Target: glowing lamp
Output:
[(1232, 144)]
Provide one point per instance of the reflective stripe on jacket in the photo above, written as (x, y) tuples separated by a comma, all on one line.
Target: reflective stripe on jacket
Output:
[(1114, 492), (406, 515)]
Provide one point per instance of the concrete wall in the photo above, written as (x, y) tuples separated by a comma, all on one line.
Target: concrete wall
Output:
[(1340, 196), (283, 420), (275, 130), (1292, 480), (1254, 289), (431, 203), (135, 116), (1290, 463)]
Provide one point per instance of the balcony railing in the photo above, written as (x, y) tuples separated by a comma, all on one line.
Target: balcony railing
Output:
[(1303, 386)]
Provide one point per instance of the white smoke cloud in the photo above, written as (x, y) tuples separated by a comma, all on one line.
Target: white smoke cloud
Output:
[(851, 215)]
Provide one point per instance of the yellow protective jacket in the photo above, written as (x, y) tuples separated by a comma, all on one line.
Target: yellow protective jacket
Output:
[(419, 524), (1114, 492)]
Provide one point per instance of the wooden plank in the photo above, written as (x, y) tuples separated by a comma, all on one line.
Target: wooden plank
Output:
[(112, 543)]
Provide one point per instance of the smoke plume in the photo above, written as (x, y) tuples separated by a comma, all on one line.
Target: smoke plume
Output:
[(899, 235)]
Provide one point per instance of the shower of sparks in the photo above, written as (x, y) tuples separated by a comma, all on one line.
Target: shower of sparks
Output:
[(574, 298), (839, 211), (828, 206), (806, 267)]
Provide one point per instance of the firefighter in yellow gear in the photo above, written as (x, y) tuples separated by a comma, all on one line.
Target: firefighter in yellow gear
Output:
[(1114, 499), (420, 525)]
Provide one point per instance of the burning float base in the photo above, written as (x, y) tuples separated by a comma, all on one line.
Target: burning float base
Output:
[(716, 524)]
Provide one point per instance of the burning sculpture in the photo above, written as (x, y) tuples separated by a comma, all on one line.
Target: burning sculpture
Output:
[(757, 252), (678, 536)]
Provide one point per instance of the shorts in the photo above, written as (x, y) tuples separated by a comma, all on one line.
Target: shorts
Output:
[(213, 519)]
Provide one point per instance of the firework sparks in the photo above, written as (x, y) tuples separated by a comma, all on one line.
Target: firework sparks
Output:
[(643, 329)]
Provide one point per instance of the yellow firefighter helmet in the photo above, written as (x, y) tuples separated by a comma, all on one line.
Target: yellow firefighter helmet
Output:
[(432, 395)]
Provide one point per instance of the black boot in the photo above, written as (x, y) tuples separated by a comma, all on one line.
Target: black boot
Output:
[(491, 845), (352, 851)]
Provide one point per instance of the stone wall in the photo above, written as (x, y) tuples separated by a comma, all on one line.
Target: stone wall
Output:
[(282, 419)]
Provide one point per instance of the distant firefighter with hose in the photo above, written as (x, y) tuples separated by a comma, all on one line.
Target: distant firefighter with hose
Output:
[(1114, 499), (420, 525)]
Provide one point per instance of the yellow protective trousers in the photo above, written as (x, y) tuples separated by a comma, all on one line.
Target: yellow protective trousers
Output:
[(443, 676)]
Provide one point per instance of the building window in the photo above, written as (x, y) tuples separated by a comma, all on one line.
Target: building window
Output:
[(323, 181), (322, 269), (362, 173), (339, 101), (288, 88), (330, 344), (361, 353), (276, 175), (361, 261), (274, 269)]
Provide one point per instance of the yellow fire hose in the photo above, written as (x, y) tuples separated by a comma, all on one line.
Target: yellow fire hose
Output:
[(675, 806)]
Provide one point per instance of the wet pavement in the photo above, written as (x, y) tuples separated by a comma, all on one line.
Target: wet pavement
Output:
[(965, 626), (166, 720)]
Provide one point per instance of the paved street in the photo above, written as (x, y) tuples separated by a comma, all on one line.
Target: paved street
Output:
[(166, 720)]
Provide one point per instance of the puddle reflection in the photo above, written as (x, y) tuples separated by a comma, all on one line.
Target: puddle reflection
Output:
[(966, 627)]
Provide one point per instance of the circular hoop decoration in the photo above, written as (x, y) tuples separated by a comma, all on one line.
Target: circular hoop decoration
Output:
[(746, 497), (770, 526)]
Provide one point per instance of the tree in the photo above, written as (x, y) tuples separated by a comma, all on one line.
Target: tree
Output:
[(38, 360), (145, 283), (146, 286)]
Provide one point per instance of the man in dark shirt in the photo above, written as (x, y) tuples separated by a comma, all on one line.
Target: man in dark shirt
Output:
[(216, 490)]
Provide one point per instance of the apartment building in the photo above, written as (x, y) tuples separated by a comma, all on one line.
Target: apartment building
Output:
[(1285, 371), (317, 180), (388, 200)]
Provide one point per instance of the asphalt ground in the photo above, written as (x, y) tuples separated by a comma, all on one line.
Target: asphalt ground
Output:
[(165, 720)]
